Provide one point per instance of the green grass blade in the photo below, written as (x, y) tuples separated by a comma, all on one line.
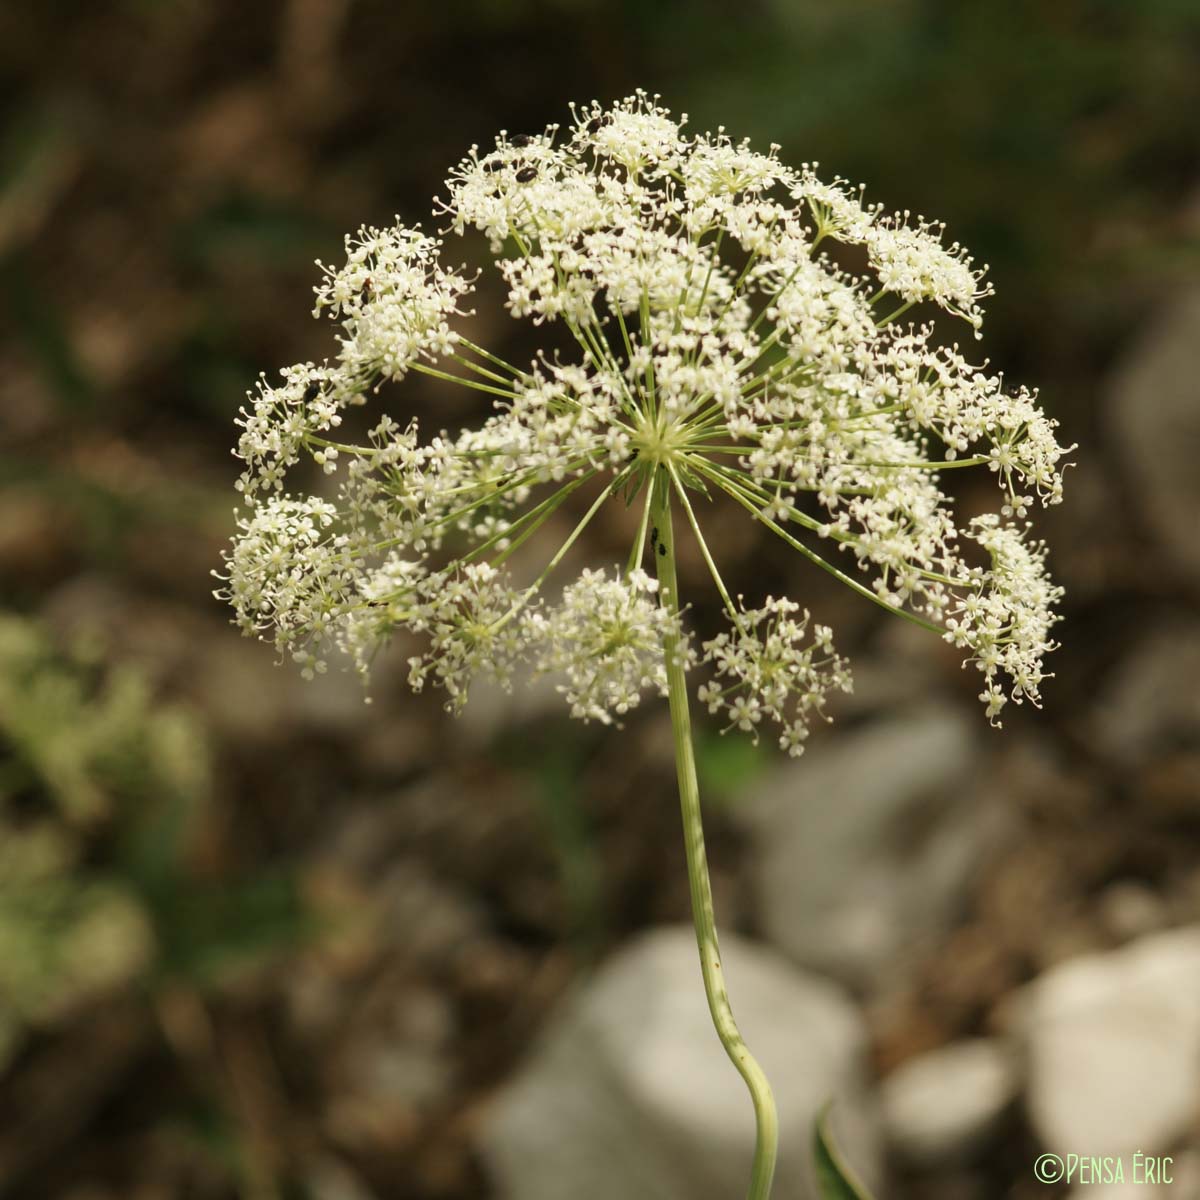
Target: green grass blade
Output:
[(835, 1180)]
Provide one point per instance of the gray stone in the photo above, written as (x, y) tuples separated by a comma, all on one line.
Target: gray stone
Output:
[(491, 710), (630, 1093), (1151, 703), (1129, 909), (940, 1107), (327, 1178), (391, 1067), (1154, 415), (862, 848), (904, 661), (1114, 1047)]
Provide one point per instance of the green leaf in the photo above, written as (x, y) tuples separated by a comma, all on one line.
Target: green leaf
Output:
[(835, 1180)]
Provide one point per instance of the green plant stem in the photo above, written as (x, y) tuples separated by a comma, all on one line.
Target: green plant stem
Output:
[(766, 1119)]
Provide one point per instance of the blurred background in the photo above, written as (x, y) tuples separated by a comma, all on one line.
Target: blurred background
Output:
[(258, 940)]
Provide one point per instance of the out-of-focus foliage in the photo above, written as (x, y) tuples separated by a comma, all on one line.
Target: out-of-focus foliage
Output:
[(101, 790), (87, 745), (1054, 140), (74, 755)]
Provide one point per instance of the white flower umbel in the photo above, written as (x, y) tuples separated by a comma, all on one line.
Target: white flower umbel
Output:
[(768, 668), (606, 638), (720, 353)]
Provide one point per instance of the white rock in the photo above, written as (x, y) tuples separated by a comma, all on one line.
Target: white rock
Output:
[(1114, 1047), (862, 849), (941, 1106), (630, 1094), (1155, 419)]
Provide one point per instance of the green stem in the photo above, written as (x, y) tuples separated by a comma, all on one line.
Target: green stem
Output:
[(766, 1143), (434, 373), (532, 590)]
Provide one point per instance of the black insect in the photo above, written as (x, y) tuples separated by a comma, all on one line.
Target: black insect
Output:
[(492, 164), (312, 392), (653, 537), (597, 123), (364, 293), (520, 139), (662, 550), (526, 174)]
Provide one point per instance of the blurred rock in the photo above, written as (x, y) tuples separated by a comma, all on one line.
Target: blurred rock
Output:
[(1155, 421), (491, 710), (631, 1095), (1152, 705), (1185, 900), (251, 697), (423, 915), (863, 848), (1129, 909), (328, 1178), (902, 661), (940, 1107), (1114, 1047), (1185, 1171), (408, 1066), (393, 1065)]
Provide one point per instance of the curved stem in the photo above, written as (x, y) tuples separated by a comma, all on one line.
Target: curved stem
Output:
[(766, 1119)]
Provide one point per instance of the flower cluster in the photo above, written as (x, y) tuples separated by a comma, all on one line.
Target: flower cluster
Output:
[(719, 351), (766, 669), (606, 638), (1005, 622)]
